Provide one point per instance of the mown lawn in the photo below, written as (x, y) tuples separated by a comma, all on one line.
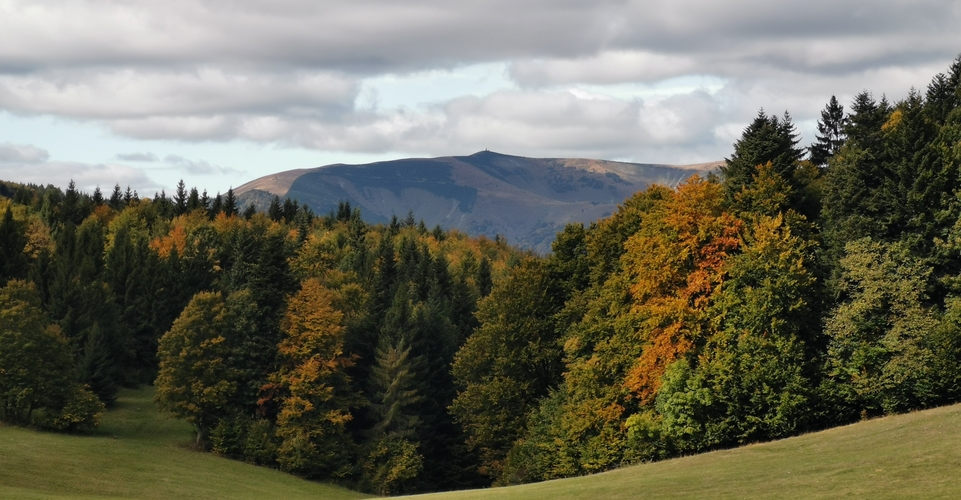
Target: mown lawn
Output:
[(137, 453)]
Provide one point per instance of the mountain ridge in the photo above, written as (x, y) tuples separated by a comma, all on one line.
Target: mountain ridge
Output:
[(526, 200)]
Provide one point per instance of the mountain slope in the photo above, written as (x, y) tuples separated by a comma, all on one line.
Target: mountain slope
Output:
[(526, 200)]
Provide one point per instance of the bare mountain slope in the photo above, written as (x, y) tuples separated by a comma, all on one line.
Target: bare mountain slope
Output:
[(526, 200)]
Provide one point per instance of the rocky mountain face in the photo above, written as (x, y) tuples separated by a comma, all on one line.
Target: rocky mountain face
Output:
[(526, 200)]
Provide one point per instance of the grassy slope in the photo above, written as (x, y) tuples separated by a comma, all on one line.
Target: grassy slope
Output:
[(908, 456), (140, 454), (137, 453)]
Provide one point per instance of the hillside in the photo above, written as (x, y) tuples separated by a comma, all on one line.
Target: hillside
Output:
[(526, 200), (140, 454), (137, 453), (905, 456)]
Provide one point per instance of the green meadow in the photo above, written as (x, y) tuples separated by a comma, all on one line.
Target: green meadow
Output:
[(139, 453)]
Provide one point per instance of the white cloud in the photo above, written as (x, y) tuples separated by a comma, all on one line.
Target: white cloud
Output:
[(197, 167)]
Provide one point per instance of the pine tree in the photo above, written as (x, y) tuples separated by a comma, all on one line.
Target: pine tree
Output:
[(71, 210)]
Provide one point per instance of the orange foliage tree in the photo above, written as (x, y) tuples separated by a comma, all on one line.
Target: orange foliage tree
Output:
[(675, 263)]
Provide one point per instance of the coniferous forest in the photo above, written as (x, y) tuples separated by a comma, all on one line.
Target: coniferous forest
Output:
[(797, 289)]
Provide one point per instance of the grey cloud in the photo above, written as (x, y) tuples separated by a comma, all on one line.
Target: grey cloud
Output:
[(290, 71), (535, 123), (87, 176), (140, 157), (136, 93), (372, 37), (22, 153)]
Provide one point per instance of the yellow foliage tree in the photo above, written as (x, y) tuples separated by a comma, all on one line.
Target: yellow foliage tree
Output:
[(316, 395)]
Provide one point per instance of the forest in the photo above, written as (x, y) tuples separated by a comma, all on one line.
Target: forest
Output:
[(795, 290)]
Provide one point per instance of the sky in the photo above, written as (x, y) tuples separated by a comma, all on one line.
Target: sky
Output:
[(144, 93)]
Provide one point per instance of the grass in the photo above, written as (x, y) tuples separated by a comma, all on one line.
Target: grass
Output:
[(917, 455), (138, 453)]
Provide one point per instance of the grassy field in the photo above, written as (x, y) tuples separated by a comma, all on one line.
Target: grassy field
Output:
[(137, 453), (140, 454), (917, 455)]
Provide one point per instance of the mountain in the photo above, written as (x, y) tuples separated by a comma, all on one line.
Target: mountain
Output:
[(526, 200)]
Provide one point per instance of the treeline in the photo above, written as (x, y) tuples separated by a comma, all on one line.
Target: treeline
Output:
[(321, 345), (796, 292)]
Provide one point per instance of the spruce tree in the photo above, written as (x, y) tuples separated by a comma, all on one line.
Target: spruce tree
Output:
[(274, 211), (193, 201), (116, 198), (766, 139), (13, 262), (180, 198), (393, 388), (230, 203), (830, 136)]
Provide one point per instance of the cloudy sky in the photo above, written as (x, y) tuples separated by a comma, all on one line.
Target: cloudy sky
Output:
[(217, 92)]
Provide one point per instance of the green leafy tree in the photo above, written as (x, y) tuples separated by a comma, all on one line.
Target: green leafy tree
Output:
[(196, 380), (508, 364), (752, 379), (391, 463), (37, 384), (880, 359)]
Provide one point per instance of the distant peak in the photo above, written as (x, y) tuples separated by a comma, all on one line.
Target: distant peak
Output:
[(488, 152)]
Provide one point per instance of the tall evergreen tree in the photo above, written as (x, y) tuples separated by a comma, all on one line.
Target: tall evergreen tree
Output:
[(830, 136), (13, 262), (116, 198), (766, 139), (180, 198), (230, 203)]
